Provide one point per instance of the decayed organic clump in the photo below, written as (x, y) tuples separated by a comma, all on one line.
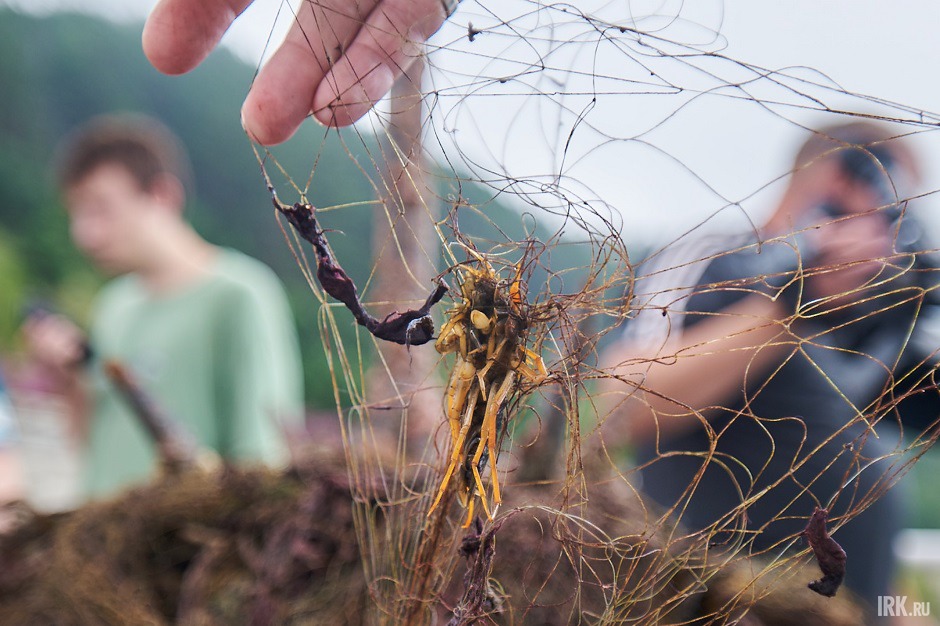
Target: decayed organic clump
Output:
[(220, 547), (264, 547)]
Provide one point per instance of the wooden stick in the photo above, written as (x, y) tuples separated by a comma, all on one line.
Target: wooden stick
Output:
[(176, 448)]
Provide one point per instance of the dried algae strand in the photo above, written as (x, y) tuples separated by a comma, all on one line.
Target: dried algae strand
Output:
[(411, 328), (829, 555)]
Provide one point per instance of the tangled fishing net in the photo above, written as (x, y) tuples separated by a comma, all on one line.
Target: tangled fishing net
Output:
[(477, 482)]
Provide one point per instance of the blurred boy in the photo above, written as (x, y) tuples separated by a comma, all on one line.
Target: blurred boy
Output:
[(207, 331)]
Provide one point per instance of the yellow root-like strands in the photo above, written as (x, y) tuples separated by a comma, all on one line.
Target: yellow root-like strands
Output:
[(487, 331)]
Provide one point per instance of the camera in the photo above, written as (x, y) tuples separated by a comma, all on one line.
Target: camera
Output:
[(874, 168)]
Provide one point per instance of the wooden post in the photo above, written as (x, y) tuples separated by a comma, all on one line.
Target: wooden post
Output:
[(406, 249)]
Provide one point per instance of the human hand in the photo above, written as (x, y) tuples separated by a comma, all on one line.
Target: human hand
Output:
[(850, 253), (338, 59), (56, 343)]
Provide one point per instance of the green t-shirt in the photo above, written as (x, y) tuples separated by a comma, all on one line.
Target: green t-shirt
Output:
[(220, 356)]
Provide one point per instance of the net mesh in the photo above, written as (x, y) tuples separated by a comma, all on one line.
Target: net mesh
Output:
[(509, 166)]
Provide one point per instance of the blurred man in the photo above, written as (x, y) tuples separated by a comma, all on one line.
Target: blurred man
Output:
[(752, 375), (207, 331)]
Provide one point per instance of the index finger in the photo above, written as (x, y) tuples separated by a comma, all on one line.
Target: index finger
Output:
[(179, 34), (282, 93)]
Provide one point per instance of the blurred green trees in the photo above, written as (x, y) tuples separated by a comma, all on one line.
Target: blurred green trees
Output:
[(58, 71)]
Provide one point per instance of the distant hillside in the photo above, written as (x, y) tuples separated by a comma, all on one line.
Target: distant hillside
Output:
[(58, 71), (84, 66)]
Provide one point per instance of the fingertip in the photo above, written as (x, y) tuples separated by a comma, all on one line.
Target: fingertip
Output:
[(257, 130), (281, 95), (157, 42), (246, 126), (262, 119), (151, 42), (180, 34)]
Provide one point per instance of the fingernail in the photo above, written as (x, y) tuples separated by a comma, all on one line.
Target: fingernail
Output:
[(247, 130)]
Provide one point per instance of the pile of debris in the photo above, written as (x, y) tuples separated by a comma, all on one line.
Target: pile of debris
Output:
[(224, 545)]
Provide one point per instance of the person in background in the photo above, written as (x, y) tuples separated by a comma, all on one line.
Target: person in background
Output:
[(743, 380), (206, 330)]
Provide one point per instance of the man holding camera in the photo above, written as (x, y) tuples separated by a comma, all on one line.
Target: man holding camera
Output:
[(765, 375)]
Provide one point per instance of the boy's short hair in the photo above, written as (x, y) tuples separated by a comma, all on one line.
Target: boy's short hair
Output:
[(143, 146)]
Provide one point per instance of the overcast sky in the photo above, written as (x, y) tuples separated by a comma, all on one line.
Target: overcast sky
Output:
[(667, 160)]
